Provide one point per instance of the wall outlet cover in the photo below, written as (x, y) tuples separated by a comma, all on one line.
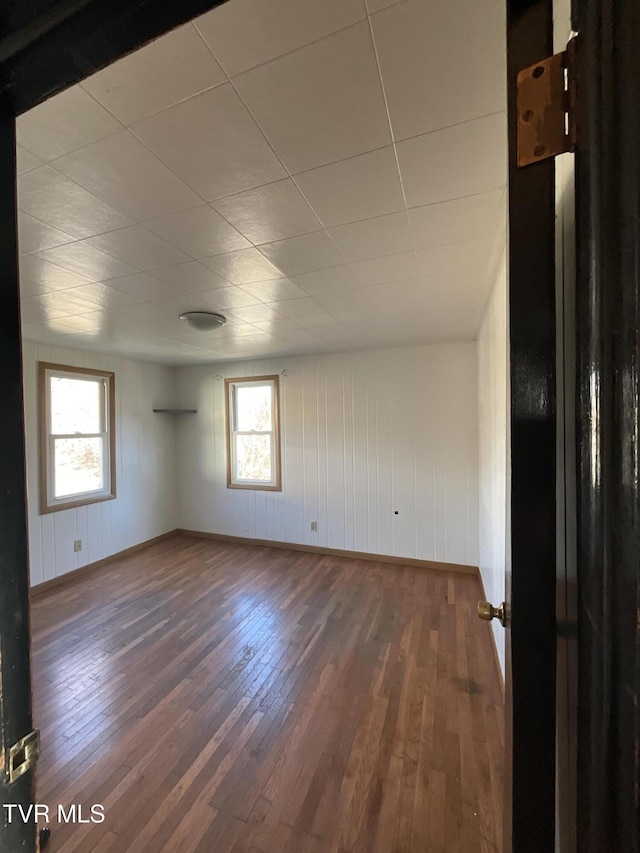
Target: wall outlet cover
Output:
[(77, 545), (314, 526)]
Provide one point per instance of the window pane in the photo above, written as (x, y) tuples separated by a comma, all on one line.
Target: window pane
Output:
[(253, 407), (78, 466), (75, 405), (253, 457)]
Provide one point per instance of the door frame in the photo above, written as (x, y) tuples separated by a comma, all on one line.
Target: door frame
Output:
[(530, 688)]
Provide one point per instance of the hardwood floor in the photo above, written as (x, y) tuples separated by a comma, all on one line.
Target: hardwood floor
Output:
[(223, 698)]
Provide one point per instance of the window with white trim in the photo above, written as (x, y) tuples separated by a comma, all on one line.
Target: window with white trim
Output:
[(77, 436), (253, 437)]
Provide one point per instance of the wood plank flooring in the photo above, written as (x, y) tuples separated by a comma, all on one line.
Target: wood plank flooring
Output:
[(223, 698)]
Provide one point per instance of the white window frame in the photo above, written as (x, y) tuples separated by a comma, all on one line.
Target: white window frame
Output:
[(233, 481), (106, 380)]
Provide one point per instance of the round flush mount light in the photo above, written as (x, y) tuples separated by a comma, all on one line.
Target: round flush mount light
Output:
[(203, 321)]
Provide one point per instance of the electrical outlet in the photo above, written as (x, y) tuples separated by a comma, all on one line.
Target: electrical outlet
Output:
[(77, 545), (314, 526)]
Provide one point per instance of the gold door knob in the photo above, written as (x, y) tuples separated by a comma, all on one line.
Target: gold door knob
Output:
[(488, 612)]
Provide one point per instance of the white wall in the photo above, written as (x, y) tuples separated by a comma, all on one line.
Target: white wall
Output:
[(145, 505), (363, 434), (493, 389)]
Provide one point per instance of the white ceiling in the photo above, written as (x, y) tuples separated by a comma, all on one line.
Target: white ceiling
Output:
[(329, 174)]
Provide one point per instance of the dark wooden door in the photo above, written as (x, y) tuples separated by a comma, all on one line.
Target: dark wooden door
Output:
[(15, 673), (608, 424), (531, 572)]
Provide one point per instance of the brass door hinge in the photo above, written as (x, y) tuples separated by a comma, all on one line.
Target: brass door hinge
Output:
[(24, 755), (545, 106)]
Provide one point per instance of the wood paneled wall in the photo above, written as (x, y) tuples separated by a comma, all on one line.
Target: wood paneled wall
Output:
[(365, 435), (145, 505), (493, 390)]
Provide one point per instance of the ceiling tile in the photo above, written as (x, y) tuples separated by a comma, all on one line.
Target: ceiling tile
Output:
[(243, 267), (191, 277), (39, 271), (459, 161), (103, 295), (303, 254), (25, 160), (390, 268), (212, 143), (415, 66), (376, 5), (276, 326), (359, 188), (458, 220), (125, 174), (309, 111), (255, 313), (170, 69), (87, 261), (326, 281), (372, 238), (247, 33), (199, 231), (52, 198), (273, 291), (65, 123), (295, 308), (225, 298), (455, 257), (143, 287), (316, 321), (269, 213), (65, 302), (34, 236), (32, 288), (35, 309), (138, 247)]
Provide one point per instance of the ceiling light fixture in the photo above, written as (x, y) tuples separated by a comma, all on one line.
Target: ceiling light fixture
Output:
[(203, 321)]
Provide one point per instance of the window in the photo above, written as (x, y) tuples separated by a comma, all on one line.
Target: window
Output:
[(77, 447), (253, 446)]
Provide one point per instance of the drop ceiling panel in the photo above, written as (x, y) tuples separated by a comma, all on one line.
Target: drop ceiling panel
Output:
[(389, 268), (143, 287), (246, 33), (122, 172), (458, 220), (276, 290), (68, 122), (87, 261), (212, 143), (458, 161), (139, 247), (303, 254), (25, 160), (308, 113), (294, 308), (34, 235), (48, 275), (224, 298), (361, 187), (372, 238), (243, 267), (269, 213), (326, 281), (168, 70), (191, 277), (51, 197), (199, 231), (457, 85)]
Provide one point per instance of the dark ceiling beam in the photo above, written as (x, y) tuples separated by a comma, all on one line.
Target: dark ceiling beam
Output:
[(47, 46)]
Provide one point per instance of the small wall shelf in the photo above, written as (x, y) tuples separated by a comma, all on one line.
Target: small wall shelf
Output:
[(177, 411)]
